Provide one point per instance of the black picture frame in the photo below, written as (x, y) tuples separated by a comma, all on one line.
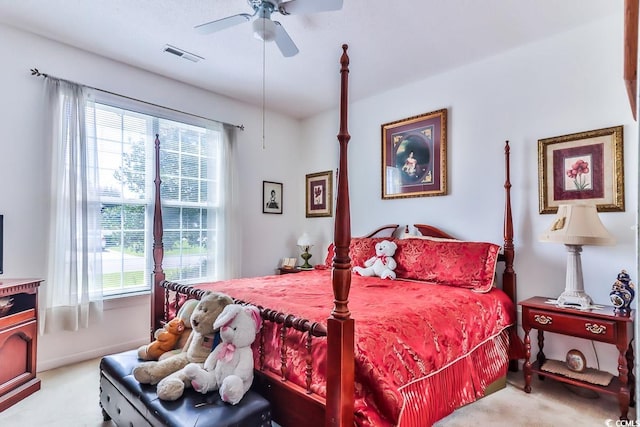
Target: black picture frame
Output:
[(271, 197)]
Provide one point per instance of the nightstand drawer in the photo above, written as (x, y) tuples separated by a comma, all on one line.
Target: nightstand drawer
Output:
[(593, 329)]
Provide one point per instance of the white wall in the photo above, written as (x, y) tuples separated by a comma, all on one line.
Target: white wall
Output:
[(569, 83), (24, 194)]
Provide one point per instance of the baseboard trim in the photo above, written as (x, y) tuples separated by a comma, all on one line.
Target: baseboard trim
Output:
[(45, 365)]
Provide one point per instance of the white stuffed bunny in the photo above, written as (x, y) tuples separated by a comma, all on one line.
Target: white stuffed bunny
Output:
[(168, 373), (381, 265), (229, 368)]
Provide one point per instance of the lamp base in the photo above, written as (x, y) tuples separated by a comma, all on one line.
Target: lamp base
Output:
[(306, 266), (575, 299)]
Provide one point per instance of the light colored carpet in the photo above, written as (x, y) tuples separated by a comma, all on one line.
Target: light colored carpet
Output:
[(550, 404), (69, 398)]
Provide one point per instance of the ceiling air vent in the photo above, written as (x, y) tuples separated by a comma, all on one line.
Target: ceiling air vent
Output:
[(182, 53)]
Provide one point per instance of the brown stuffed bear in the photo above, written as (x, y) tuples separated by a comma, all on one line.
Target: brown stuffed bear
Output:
[(166, 340), (168, 373), (185, 314)]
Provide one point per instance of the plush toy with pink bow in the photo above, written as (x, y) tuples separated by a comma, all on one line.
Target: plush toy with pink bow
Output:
[(382, 264), (229, 368)]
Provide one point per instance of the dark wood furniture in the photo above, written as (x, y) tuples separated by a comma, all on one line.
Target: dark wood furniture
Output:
[(631, 52), (283, 270), (293, 405), (599, 325), (18, 341)]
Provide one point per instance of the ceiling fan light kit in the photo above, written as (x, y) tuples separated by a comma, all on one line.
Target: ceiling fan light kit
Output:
[(264, 28)]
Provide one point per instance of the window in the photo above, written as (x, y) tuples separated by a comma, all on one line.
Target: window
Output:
[(191, 167)]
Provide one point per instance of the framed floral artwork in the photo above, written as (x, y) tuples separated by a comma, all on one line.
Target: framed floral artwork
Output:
[(319, 194), (585, 166), (271, 197), (414, 156)]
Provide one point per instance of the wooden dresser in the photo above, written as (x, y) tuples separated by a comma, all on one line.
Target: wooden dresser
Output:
[(18, 341)]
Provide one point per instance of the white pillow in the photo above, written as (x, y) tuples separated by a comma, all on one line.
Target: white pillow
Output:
[(406, 235)]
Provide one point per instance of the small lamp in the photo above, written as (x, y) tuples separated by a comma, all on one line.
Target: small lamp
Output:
[(575, 226), (304, 243)]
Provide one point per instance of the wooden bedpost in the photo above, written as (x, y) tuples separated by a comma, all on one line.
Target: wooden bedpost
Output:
[(631, 52), (340, 325), (509, 275), (157, 293)]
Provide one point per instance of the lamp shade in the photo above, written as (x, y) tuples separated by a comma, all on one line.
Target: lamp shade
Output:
[(578, 224), (304, 240)]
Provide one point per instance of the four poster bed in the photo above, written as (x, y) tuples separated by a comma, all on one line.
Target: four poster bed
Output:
[(339, 349)]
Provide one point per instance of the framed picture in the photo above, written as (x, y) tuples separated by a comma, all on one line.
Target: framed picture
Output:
[(585, 166), (319, 194), (414, 156), (271, 197)]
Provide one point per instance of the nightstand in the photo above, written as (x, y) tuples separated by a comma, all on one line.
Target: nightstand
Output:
[(283, 270), (597, 324)]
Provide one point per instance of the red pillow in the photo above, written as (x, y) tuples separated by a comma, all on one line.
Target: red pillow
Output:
[(360, 250), (331, 251), (457, 263)]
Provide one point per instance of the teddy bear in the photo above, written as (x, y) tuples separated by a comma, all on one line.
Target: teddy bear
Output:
[(229, 368), (168, 373), (184, 314), (166, 339), (381, 265)]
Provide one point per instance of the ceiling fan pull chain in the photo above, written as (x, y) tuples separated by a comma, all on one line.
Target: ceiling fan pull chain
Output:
[(263, 90)]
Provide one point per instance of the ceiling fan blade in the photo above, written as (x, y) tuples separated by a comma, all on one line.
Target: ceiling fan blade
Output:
[(308, 6), (221, 24), (284, 42)]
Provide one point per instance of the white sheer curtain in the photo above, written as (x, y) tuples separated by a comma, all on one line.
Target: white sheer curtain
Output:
[(230, 253), (73, 287)]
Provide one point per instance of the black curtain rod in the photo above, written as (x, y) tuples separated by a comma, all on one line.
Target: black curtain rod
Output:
[(37, 73)]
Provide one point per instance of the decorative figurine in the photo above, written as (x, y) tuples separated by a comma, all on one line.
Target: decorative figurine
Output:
[(576, 361), (622, 294)]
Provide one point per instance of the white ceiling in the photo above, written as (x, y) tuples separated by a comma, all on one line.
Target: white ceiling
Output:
[(391, 43)]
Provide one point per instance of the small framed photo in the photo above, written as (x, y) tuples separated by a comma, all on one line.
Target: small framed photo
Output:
[(414, 156), (319, 194), (271, 197), (585, 166), (288, 263)]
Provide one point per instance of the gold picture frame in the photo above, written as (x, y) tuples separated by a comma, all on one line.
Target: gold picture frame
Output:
[(414, 156), (319, 194), (585, 166)]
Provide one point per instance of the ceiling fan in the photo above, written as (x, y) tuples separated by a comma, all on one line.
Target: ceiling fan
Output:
[(266, 29)]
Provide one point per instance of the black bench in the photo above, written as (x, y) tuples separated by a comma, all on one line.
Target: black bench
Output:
[(129, 403)]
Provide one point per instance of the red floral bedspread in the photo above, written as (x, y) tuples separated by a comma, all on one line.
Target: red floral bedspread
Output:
[(405, 332)]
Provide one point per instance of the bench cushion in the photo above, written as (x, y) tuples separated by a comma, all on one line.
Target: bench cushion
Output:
[(121, 396)]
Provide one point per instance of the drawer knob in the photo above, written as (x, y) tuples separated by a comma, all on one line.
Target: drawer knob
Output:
[(595, 328), (542, 319)]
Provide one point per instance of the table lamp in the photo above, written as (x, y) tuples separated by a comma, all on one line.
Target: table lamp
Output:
[(304, 243), (576, 225)]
